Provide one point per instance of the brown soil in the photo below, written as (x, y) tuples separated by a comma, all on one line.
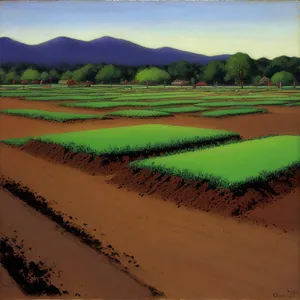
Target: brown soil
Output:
[(186, 253), (8, 287), (33, 277), (202, 196), (75, 268), (281, 120)]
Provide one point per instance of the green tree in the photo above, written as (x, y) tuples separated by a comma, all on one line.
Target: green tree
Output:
[(262, 64), (109, 74), (240, 67), (214, 71), (284, 77), (276, 65), (193, 82), (181, 69), (45, 76), (2, 75), (294, 67), (54, 76), (67, 75), (257, 79), (31, 75), (152, 74), (11, 76), (90, 71), (79, 75)]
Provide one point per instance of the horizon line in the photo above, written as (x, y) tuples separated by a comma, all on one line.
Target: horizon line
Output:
[(107, 36)]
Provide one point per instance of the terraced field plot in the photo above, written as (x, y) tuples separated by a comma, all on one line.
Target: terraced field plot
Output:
[(132, 139), (233, 112), (70, 97), (49, 115), (255, 96), (182, 109), (110, 104), (130, 113), (158, 96), (292, 104), (231, 165), (241, 103)]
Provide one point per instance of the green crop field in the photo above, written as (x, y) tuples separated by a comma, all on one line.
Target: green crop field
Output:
[(161, 93), (131, 113), (292, 104), (132, 139), (157, 96), (240, 103), (69, 97), (255, 96), (233, 112), (19, 142), (231, 165), (183, 109), (110, 104), (49, 115)]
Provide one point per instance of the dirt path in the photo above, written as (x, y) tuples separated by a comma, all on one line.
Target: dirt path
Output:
[(8, 288), (184, 253), (83, 271)]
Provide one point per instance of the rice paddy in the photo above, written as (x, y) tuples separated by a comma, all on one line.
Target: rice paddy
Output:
[(241, 103), (158, 96), (233, 112), (231, 165), (133, 139), (182, 109), (110, 104), (292, 104), (49, 115), (69, 97), (131, 113)]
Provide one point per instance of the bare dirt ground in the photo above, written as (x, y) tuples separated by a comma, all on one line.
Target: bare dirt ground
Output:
[(183, 252), (8, 287), (82, 270)]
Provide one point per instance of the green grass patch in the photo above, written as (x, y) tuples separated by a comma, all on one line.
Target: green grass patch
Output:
[(161, 96), (233, 112), (255, 96), (183, 109), (70, 97), (154, 94), (49, 115), (19, 142), (292, 104), (131, 113), (239, 103), (231, 165), (110, 104), (136, 139)]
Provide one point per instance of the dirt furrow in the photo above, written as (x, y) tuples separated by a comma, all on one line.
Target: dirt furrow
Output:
[(81, 271)]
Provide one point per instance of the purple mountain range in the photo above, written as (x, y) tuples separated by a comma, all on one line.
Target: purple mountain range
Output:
[(64, 50)]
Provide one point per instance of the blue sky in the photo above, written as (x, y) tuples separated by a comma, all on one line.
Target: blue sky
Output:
[(260, 29)]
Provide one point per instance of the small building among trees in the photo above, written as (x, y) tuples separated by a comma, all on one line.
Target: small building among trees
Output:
[(201, 83), (180, 82), (264, 80), (69, 82)]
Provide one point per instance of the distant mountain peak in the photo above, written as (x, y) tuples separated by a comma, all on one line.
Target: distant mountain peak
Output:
[(106, 49)]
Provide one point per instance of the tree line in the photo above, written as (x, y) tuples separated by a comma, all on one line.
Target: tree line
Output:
[(239, 68)]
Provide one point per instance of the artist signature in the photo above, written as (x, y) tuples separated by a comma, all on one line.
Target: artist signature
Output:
[(288, 294)]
